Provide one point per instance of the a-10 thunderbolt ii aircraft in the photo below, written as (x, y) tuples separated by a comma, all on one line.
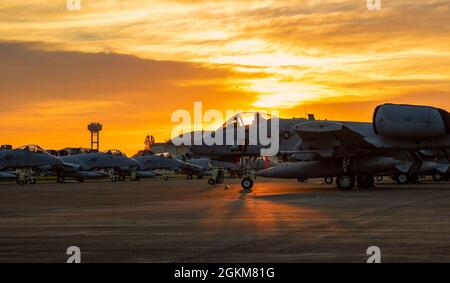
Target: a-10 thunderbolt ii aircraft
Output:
[(353, 152), (357, 151), (30, 159), (115, 165), (112, 163), (149, 162)]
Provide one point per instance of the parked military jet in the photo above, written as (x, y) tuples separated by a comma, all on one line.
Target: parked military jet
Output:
[(348, 149), (30, 158), (345, 150), (112, 163)]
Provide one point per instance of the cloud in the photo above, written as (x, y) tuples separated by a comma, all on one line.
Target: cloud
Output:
[(261, 53), (56, 93)]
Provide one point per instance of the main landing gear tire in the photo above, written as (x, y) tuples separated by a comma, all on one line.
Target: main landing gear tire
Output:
[(121, 178), (365, 181), (402, 179), (211, 182), (189, 176), (247, 183), (60, 179), (438, 177), (345, 183), (328, 180), (21, 182), (114, 179), (165, 178), (33, 181)]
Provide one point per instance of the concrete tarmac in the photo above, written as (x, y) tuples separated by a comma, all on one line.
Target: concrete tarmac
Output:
[(190, 221)]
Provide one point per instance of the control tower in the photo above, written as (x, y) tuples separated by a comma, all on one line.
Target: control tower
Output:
[(95, 129)]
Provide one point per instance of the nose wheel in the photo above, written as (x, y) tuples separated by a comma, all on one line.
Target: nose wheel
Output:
[(402, 179), (247, 183), (328, 180), (345, 183)]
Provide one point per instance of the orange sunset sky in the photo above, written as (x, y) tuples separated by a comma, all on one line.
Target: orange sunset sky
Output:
[(130, 64)]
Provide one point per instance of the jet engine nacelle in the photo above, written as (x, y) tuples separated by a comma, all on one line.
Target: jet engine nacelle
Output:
[(410, 122)]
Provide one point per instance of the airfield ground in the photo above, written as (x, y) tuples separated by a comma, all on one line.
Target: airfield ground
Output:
[(190, 221)]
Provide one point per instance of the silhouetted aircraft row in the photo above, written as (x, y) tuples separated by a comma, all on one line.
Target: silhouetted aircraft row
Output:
[(402, 141)]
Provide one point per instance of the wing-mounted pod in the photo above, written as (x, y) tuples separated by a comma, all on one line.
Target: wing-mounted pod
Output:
[(410, 122)]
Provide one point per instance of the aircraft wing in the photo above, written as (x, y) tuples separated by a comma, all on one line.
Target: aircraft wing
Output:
[(329, 139), (194, 167), (7, 175)]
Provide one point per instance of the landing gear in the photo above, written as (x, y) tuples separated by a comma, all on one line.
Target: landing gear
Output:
[(121, 178), (218, 175), (165, 178), (438, 177), (112, 175), (189, 176), (328, 180), (345, 183), (80, 179), (365, 181), (25, 177), (380, 178), (402, 179), (247, 183)]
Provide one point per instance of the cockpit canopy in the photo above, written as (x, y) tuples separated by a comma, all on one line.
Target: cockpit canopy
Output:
[(116, 152), (143, 153), (33, 149), (166, 155), (245, 119)]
